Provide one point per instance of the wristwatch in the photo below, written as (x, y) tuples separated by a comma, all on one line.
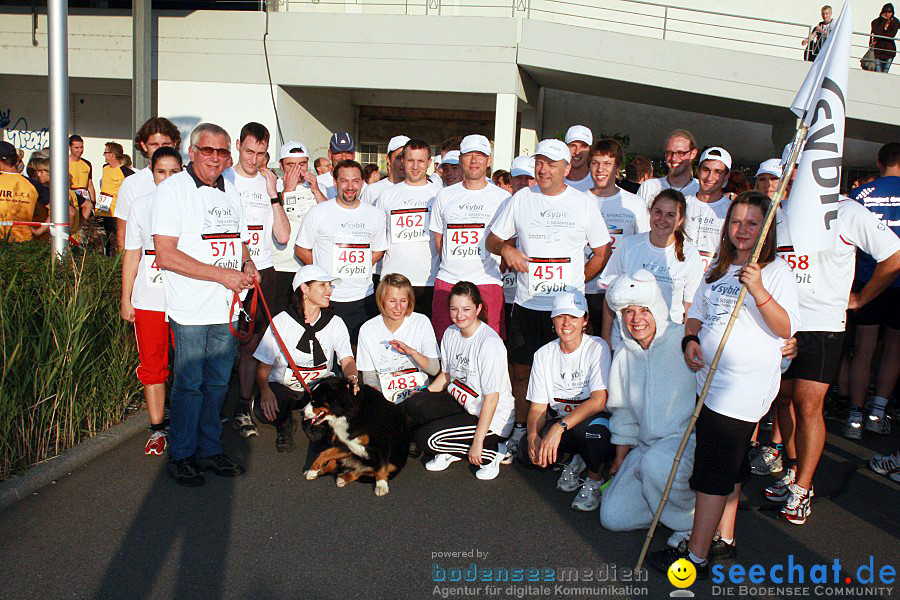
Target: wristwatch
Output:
[(563, 424)]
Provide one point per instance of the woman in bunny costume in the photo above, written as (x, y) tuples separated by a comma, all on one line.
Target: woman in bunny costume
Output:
[(651, 398)]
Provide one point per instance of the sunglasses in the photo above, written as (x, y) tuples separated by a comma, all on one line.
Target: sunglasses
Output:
[(209, 151)]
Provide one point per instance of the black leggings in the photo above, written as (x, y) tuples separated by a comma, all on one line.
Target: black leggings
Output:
[(590, 439), (288, 400), (440, 425)]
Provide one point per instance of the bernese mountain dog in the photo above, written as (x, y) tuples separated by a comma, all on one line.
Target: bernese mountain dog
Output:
[(369, 434)]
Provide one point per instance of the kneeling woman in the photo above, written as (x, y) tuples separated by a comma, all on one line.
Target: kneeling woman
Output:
[(314, 336), (468, 408), (397, 351), (569, 377), (748, 375)]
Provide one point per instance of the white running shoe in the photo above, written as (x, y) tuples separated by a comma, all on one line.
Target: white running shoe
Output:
[(490, 470), (880, 424), (887, 465), (588, 497), (441, 462), (568, 479)]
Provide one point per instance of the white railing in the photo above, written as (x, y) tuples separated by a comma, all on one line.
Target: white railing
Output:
[(758, 35)]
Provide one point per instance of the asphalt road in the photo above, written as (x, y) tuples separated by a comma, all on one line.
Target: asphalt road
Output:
[(120, 528)]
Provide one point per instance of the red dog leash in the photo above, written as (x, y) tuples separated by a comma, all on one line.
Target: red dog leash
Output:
[(236, 301)]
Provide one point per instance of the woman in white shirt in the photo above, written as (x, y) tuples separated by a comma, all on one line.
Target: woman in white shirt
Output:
[(314, 336), (747, 377), (567, 391), (143, 301), (468, 408), (674, 262), (397, 351)]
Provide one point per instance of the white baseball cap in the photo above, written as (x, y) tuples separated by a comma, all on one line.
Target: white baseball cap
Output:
[(437, 161), (772, 167), (451, 158), (716, 153), (293, 150), (475, 143), (570, 302), (554, 150), (579, 133), (398, 141), (522, 165), (309, 273)]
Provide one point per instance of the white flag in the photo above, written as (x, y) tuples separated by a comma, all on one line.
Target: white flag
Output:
[(821, 103)]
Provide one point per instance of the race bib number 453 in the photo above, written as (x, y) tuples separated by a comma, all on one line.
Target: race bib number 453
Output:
[(408, 225), (464, 241), (549, 276)]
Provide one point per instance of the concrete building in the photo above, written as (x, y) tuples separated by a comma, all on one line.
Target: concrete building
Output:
[(436, 68)]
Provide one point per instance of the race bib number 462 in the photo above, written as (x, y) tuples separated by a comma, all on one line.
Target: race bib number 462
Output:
[(549, 276), (409, 225), (465, 241)]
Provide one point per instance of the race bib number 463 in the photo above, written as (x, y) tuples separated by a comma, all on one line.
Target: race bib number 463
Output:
[(408, 225), (464, 241), (549, 276), (351, 261)]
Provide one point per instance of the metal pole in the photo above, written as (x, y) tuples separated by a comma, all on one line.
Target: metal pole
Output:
[(57, 51), (141, 49), (665, 21), (799, 138)]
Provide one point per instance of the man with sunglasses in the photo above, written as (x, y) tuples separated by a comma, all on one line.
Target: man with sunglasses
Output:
[(680, 153), (201, 239)]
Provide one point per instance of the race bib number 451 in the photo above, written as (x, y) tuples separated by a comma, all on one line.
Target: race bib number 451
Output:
[(549, 276), (408, 225)]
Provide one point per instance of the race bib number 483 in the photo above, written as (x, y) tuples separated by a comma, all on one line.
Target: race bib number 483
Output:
[(397, 385), (464, 241), (408, 225), (549, 276)]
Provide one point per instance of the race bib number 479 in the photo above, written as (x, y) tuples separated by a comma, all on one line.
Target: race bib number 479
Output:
[(549, 276)]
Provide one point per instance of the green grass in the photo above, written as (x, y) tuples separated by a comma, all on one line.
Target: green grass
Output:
[(67, 360)]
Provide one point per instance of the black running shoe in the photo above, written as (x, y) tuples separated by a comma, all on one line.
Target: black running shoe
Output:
[(284, 436), (220, 464), (661, 560), (185, 472), (721, 550)]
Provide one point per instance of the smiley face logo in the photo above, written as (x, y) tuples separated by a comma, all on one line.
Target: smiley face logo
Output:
[(682, 573)]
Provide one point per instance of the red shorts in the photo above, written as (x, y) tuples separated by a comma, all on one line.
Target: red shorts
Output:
[(491, 294), (152, 333)]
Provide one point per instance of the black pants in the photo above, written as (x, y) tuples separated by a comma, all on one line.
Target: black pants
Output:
[(355, 313), (590, 439), (440, 425), (111, 242), (288, 400), (424, 297)]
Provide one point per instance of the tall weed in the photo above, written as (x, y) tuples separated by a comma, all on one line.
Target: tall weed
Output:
[(67, 361)]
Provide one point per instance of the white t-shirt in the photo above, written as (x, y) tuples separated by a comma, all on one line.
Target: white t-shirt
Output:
[(678, 281), (703, 225), (824, 278), (650, 188), (566, 380), (342, 241), (296, 205), (476, 366), (258, 215), (372, 192), (436, 180), (582, 185), (134, 186), (334, 339), (552, 232), (464, 217), (326, 185), (374, 352), (411, 250), (209, 224), (749, 371), (625, 214), (147, 293)]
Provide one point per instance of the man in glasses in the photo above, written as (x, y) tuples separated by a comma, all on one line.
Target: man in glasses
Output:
[(266, 220), (201, 243), (680, 152)]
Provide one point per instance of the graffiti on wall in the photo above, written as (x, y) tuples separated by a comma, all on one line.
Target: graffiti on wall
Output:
[(19, 135)]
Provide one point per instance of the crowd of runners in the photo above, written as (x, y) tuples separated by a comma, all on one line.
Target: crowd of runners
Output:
[(561, 314)]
